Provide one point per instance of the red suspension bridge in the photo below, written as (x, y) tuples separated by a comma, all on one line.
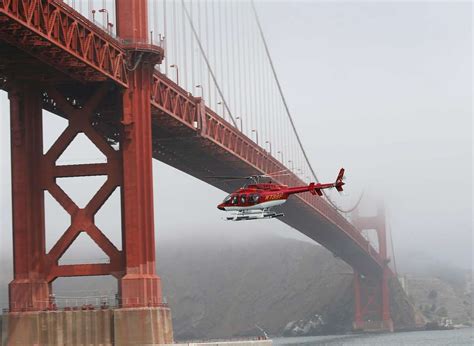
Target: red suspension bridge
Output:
[(189, 84)]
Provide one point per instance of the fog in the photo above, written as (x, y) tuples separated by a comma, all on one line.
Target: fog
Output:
[(382, 89)]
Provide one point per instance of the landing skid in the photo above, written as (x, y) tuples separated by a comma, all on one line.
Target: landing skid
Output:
[(253, 215)]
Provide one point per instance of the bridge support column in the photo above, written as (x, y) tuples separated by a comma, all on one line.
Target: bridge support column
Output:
[(371, 304), (29, 290), (358, 322), (140, 286), (372, 294), (141, 319), (386, 316)]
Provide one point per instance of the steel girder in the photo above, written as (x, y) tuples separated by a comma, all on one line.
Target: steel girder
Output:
[(60, 36)]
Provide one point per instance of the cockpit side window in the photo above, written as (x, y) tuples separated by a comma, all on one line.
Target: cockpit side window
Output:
[(227, 199), (243, 199), (235, 199), (254, 198)]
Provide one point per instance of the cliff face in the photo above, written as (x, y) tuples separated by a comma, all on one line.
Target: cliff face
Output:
[(226, 290), (437, 298)]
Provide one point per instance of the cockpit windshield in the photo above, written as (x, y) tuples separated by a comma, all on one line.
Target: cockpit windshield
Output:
[(227, 199)]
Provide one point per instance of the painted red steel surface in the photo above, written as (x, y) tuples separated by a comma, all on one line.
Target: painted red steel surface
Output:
[(64, 39), (33, 173), (140, 279), (372, 295), (74, 45), (57, 36)]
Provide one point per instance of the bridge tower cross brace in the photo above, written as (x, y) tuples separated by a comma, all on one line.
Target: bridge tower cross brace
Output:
[(372, 294)]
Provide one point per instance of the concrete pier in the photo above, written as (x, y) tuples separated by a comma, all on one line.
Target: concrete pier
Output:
[(132, 326)]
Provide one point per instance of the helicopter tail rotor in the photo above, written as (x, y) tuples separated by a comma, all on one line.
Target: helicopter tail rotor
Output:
[(340, 181)]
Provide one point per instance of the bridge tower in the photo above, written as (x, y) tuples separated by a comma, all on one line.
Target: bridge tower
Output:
[(372, 294), (106, 113)]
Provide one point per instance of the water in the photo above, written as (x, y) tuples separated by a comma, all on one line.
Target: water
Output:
[(432, 338)]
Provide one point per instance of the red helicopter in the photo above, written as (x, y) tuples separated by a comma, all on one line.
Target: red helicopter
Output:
[(253, 201)]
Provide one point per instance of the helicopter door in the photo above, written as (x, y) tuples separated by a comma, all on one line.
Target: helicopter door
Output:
[(243, 199)]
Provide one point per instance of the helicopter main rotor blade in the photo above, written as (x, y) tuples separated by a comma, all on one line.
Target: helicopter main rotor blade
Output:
[(276, 175), (227, 178)]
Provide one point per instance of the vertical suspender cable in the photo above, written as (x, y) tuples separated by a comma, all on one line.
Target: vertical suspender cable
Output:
[(156, 29), (221, 50), (269, 110), (165, 33), (234, 56), (254, 82), (214, 50), (262, 94), (200, 34), (251, 82), (239, 61), (248, 79), (185, 56), (114, 19), (266, 89), (227, 81), (206, 60), (193, 81), (209, 96), (175, 35), (104, 14), (276, 107)]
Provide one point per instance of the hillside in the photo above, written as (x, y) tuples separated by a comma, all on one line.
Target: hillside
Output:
[(224, 286), (224, 290)]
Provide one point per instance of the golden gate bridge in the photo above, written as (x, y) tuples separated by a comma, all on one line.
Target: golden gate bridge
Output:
[(189, 83)]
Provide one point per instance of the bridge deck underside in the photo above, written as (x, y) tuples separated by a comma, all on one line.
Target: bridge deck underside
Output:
[(183, 148)]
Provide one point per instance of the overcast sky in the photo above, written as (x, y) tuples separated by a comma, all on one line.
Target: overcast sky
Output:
[(383, 89)]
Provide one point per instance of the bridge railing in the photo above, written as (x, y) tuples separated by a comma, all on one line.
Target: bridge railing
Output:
[(74, 303), (56, 23), (174, 100)]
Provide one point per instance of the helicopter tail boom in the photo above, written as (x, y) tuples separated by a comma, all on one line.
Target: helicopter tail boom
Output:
[(314, 191)]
